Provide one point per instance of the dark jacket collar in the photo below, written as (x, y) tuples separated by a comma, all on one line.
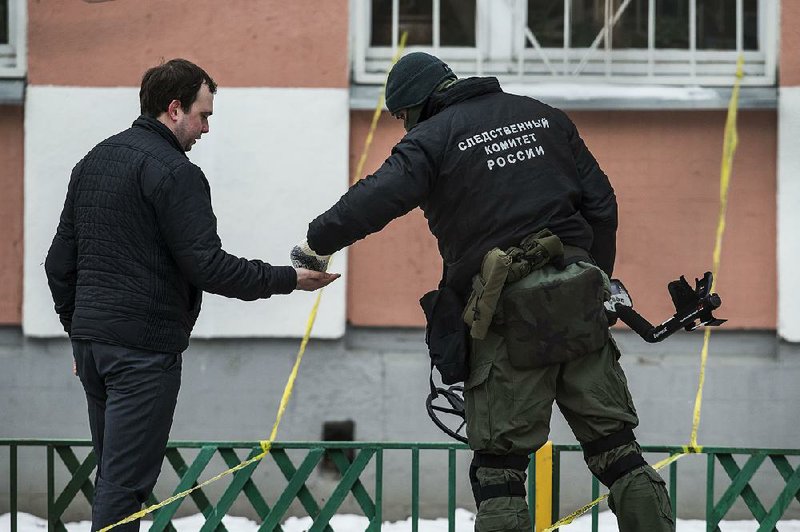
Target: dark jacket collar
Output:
[(458, 92), (151, 124)]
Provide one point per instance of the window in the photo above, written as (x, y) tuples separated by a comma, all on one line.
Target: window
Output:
[(12, 38), (677, 42), (425, 29), (4, 22)]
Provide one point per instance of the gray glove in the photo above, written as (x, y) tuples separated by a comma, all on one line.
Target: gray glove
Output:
[(619, 296), (304, 257)]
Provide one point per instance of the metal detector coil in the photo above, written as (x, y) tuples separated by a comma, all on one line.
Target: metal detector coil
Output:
[(454, 395)]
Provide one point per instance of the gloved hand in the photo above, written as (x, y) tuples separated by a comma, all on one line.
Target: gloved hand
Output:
[(619, 296), (304, 257)]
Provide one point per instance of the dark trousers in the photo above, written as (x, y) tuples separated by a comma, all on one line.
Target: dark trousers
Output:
[(131, 394)]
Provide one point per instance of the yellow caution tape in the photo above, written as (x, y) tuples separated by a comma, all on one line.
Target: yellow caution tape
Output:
[(377, 114), (728, 149), (577, 513), (730, 141), (266, 445), (583, 509), (657, 466), (287, 391)]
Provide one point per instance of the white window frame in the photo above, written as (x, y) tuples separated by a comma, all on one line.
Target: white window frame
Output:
[(13, 56), (502, 33)]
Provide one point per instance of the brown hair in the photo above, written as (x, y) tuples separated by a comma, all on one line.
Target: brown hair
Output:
[(177, 79)]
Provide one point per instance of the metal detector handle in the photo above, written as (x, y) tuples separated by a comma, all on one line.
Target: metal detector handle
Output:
[(693, 308), (634, 320), (644, 328)]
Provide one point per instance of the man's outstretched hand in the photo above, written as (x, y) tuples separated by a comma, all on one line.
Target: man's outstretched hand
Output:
[(310, 280)]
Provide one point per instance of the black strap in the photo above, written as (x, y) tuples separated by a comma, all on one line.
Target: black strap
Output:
[(501, 461), (512, 488), (606, 443), (573, 254), (619, 468)]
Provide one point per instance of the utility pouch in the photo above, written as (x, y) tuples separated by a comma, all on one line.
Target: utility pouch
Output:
[(501, 267), (486, 289), (446, 334), (553, 316), (534, 252)]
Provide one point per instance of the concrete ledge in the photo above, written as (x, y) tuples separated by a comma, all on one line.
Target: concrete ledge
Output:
[(12, 91), (757, 344), (736, 345), (613, 97)]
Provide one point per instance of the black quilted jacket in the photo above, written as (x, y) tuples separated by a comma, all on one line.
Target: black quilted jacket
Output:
[(137, 245), (487, 168)]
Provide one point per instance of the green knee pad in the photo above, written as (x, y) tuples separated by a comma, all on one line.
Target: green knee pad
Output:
[(502, 513), (639, 500)]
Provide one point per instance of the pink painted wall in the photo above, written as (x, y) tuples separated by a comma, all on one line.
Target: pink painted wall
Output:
[(390, 270), (789, 73), (664, 165), (665, 169), (11, 150), (268, 43)]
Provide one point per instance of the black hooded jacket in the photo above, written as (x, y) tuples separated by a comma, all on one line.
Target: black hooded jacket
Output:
[(137, 245), (487, 168)]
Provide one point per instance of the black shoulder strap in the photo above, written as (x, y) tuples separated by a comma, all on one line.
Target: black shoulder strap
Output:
[(442, 284)]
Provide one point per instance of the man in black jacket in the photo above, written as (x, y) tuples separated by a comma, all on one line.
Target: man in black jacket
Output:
[(526, 220), (135, 248)]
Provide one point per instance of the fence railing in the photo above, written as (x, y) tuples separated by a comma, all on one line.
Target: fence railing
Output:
[(354, 462), (739, 488)]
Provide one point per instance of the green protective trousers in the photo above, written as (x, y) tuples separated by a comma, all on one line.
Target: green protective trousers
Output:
[(508, 410)]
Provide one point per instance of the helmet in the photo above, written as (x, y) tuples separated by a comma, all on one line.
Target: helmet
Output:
[(413, 78)]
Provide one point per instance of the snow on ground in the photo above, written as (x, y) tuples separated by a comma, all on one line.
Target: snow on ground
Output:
[(465, 521)]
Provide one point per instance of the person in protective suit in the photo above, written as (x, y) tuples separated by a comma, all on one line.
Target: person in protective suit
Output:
[(526, 223)]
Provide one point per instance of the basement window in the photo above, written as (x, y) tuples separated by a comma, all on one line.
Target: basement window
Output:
[(337, 431)]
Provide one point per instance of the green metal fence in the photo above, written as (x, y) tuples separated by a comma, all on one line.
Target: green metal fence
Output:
[(739, 488), (297, 461)]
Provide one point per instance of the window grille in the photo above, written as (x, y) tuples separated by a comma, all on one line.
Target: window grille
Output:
[(3, 22), (671, 42), (12, 38)]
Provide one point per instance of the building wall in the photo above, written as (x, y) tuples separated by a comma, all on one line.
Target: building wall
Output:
[(788, 216), (271, 113), (276, 154), (664, 166), (789, 66), (11, 157), (231, 389), (282, 146), (405, 249), (243, 44)]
